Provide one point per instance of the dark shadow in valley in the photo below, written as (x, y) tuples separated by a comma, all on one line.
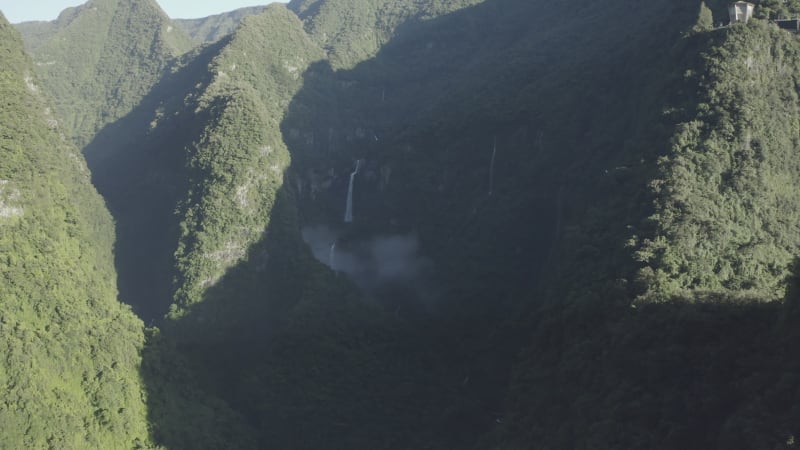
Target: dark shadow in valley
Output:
[(137, 165), (715, 373), (291, 355)]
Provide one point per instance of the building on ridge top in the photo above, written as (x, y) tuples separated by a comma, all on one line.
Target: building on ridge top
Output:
[(741, 11)]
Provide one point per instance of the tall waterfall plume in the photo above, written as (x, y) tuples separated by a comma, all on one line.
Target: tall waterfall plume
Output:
[(348, 210), (491, 167), (332, 257)]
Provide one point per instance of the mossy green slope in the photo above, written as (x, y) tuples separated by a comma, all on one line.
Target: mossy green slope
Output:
[(71, 352), (36, 33), (101, 58)]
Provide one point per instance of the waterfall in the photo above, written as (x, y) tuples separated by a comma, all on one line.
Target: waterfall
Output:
[(348, 211), (491, 167), (332, 257)]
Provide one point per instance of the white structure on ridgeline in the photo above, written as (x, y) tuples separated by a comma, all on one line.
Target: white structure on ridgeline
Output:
[(741, 11)]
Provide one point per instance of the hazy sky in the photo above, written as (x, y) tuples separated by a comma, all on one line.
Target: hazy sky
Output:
[(24, 10)]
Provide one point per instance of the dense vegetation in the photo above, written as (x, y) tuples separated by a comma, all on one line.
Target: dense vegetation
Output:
[(590, 210), (70, 352), (725, 218), (125, 47), (208, 30)]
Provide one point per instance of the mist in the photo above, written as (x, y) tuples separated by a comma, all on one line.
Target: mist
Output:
[(387, 266)]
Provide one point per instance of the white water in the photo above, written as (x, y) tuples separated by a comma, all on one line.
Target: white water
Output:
[(332, 257), (348, 210), (491, 168)]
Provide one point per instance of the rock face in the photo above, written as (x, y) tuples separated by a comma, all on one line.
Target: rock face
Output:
[(9, 200)]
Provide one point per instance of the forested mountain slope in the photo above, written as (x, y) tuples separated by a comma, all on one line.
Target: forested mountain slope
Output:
[(701, 357), (211, 29), (99, 59), (70, 352), (727, 192), (474, 224)]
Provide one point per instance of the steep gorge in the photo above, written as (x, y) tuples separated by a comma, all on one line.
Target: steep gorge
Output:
[(593, 207)]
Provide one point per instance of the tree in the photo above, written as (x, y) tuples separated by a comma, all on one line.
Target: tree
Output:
[(705, 19)]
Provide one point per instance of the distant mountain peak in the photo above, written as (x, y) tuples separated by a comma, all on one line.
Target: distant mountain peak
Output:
[(88, 53), (211, 29)]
